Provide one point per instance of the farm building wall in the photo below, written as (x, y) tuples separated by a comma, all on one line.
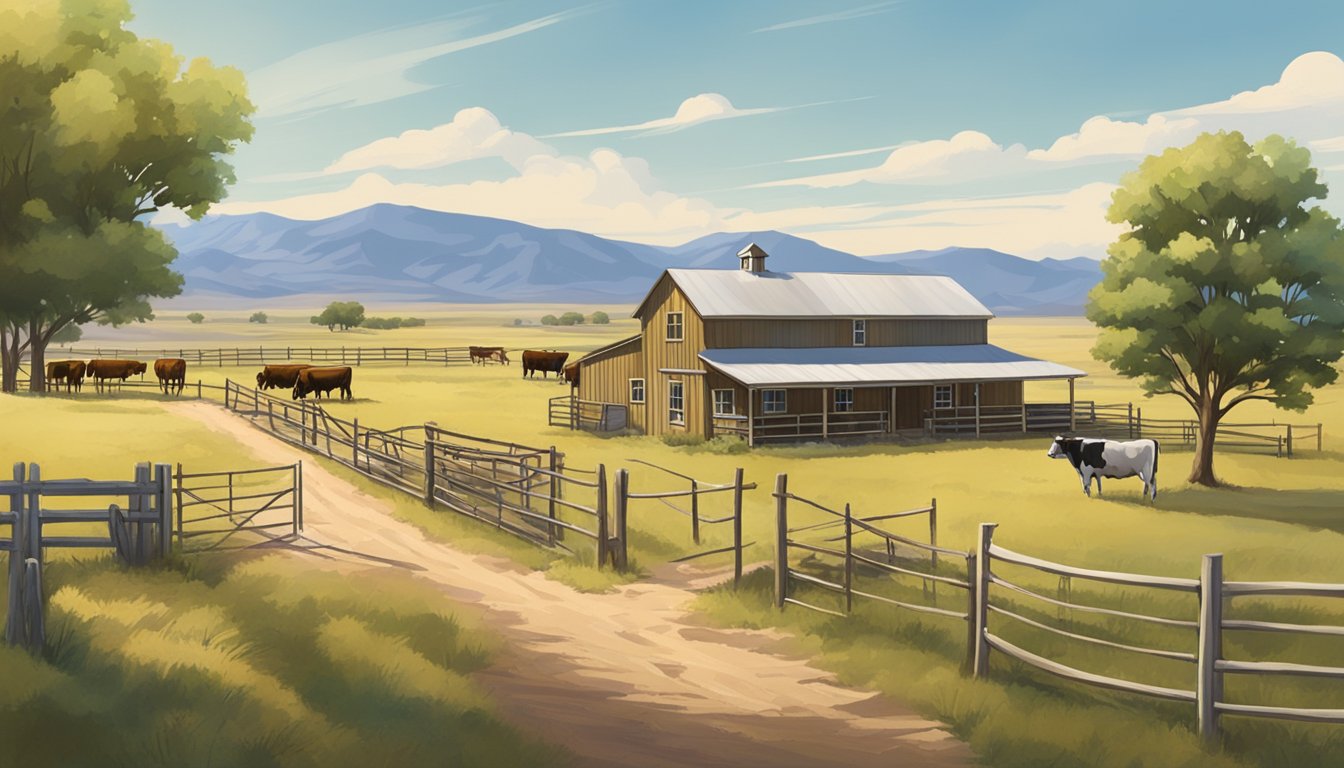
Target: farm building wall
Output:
[(662, 355), (605, 378), (832, 332)]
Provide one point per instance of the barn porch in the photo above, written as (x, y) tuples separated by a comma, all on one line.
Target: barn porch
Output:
[(786, 395)]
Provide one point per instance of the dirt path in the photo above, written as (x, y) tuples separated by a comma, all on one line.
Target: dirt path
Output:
[(624, 678)]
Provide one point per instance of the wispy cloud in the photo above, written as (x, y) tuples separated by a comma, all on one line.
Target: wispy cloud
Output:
[(704, 108), (849, 153), (374, 67), (827, 18)]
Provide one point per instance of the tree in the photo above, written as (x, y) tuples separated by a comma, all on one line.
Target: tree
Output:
[(550, 320), (196, 318), (67, 335), (517, 321), (1227, 287), (98, 129), (599, 318), (346, 314), (571, 318), (258, 317)]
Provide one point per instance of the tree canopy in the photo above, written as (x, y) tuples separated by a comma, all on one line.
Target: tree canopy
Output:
[(1227, 286), (346, 314), (98, 129)]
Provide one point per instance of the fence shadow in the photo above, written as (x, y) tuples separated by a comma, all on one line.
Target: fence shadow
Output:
[(1315, 508)]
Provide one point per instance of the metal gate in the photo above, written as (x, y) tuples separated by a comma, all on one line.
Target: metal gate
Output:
[(218, 510)]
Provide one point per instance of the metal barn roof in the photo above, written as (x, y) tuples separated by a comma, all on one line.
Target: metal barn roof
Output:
[(849, 366), (738, 293)]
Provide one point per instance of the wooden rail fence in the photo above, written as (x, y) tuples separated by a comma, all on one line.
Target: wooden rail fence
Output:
[(692, 496), (239, 356), (215, 507)]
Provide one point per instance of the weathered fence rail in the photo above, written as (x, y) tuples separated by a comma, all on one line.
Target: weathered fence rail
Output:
[(213, 508), (238, 356)]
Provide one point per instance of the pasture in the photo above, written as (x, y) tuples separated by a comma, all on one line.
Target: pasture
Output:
[(1281, 522)]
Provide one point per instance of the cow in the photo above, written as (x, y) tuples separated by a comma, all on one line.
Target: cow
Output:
[(1097, 457), (101, 370), (171, 371), (572, 373), (279, 376), (481, 354), (67, 372), (546, 362), (323, 380)]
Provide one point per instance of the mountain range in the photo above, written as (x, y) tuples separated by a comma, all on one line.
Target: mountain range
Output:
[(388, 252)]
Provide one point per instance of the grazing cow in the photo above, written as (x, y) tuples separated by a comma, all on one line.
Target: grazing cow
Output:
[(101, 370), (481, 354), (1096, 457), (572, 373), (502, 357), (323, 380), (67, 372), (171, 371), (279, 376), (546, 362)]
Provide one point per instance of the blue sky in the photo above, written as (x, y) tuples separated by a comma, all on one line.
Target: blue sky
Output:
[(873, 127)]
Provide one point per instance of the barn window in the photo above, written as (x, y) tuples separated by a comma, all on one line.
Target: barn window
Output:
[(636, 390), (774, 401), (724, 405), (676, 402), (675, 327), (860, 333), (844, 400), (942, 396)]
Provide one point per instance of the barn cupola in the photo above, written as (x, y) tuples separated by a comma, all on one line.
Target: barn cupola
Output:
[(753, 258)]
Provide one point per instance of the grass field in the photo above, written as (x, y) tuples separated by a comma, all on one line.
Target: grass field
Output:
[(1282, 521)]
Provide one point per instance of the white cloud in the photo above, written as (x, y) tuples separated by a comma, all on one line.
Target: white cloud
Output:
[(474, 133), (826, 18), (1311, 80), (370, 68), (1102, 137), (846, 153), (704, 108), (967, 155)]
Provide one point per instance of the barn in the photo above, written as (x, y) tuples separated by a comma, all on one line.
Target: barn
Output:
[(774, 356)]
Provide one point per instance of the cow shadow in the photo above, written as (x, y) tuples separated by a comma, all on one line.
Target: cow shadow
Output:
[(1312, 508)]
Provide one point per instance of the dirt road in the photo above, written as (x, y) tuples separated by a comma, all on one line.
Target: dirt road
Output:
[(624, 678)]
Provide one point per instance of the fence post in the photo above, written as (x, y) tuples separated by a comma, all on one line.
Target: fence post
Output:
[(298, 495), (1129, 421), (354, 442), (429, 473), (980, 591), (35, 635), (602, 529), (198, 389), (18, 539), (849, 560), (177, 487), (34, 512), (1288, 440), (1210, 685), (737, 527), (1318, 436), (556, 531), (781, 539), (163, 479), (622, 510), (968, 666), (933, 542), (695, 512), (1138, 422)]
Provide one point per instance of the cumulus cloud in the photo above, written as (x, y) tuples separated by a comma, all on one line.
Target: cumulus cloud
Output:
[(704, 108), (1102, 137), (474, 133), (1311, 80), (967, 155)]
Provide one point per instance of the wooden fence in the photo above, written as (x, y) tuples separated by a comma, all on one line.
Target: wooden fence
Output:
[(1125, 421), (215, 507), (572, 413), (239, 356), (137, 533), (692, 495)]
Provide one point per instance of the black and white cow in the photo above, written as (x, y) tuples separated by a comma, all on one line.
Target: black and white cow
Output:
[(1096, 457)]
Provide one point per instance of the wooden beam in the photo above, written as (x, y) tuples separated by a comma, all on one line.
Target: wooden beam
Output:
[(825, 412), (1073, 418), (751, 417), (977, 409), (891, 419)]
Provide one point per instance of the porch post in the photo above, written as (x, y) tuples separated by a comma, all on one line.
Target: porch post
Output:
[(891, 417), (751, 417), (977, 409), (1073, 417), (825, 412)]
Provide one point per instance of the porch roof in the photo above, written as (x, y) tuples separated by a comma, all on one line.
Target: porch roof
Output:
[(877, 366)]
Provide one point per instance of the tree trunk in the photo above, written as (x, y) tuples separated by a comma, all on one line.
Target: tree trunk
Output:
[(9, 359), (37, 358), (1201, 472)]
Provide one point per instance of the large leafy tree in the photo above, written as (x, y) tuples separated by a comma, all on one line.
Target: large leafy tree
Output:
[(1228, 285), (98, 130)]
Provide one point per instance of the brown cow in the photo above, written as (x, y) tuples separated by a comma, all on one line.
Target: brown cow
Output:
[(572, 373), (171, 370), (67, 372), (279, 376), (323, 380), (115, 369), (546, 362), (481, 354)]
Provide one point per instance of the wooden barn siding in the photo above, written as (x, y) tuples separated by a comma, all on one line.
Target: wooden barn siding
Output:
[(606, 379), (659, 353), (991, 393), (826, 332), (911, 402)]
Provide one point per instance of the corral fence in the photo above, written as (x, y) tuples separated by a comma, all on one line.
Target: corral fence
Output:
[(1125, 421), (137, 532), (1187, 643), (239, 356), (691, 506), (216, 509), (573, 413), (852, 556)]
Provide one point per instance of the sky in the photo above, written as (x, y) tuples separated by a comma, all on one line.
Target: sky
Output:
[(871, 127)]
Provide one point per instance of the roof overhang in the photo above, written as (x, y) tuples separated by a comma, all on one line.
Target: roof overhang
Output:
[(880, 366)]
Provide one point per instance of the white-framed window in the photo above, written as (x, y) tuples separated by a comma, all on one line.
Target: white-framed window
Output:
[(724, 403), (774, 401), (676, 402), (676, 326), (636, 390), (860, 333), (942, 396), (844, 400)]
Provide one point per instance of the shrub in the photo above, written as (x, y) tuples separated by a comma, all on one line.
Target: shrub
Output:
[(550, 320), (599, 318), (385, 323), (196, 318), (678, 439), (68, 334), (258, 317), (571, 318), (517, 321), (346, 314)]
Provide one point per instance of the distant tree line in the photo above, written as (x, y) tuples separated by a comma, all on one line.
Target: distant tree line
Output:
[(386, 323), (350, 314), (574, 318)]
